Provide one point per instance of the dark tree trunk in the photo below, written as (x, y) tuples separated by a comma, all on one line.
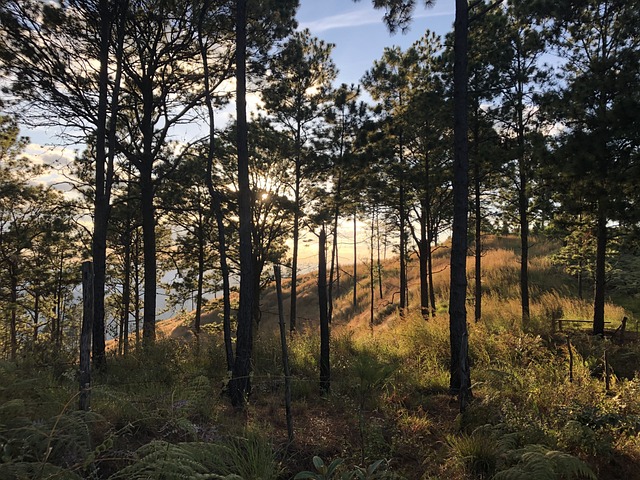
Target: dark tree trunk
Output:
[(403, 238), (136, 289), (460, 377), (14, 309), (379, 263), (197, 319), (285, 354), (36, 317), (149, 254), (355, 262), (523, 209), (432, 292), (325, 367), (600, 279), (239, 386), (372, 283), (86, 333), (126, 289), (478, 239), (334, 248), (101, 205), (216, 202), (293, 309)]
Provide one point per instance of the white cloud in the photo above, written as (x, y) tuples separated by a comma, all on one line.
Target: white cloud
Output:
[(359, 18)]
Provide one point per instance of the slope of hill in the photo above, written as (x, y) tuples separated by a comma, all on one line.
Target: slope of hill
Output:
[(546, 403)]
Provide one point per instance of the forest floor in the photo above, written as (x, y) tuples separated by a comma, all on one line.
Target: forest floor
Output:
[(545, 403)]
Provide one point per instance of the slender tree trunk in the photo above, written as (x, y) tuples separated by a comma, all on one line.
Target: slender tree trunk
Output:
[(478, 239), (101, 205), (199, 287), (460, 378), (126, 289), (325, 367), (355, 262), (293, 310), (600, 279), (149, 254), (334, 248), (285, 354), (523, 207), (403, 238), (432, 292), (36, 317), (216, 201), (136, 289), (86, 333), (379, 266), (372, 282), (423, 247), (240, 386), (14, 309)]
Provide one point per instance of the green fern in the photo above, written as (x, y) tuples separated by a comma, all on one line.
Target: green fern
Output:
[(536, 462)]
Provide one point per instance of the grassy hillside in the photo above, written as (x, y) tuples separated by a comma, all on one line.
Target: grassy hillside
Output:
[(544, 404)]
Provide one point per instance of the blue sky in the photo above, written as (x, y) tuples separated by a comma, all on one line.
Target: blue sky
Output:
[(359, 33)]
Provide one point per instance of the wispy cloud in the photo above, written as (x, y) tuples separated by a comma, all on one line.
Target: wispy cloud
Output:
[(359, 18)]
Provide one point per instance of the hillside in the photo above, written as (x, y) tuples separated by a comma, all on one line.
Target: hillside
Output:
[(551, 291), (545, 403)]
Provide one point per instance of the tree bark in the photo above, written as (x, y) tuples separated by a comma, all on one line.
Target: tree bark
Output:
[(240, 385), (285, 354), (460, 377), (600, 279), (101, 202), (86, 333), (325, 366), (293, 310), (149, 254)]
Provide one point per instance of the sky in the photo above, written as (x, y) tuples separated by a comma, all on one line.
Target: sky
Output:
[(359, 33)]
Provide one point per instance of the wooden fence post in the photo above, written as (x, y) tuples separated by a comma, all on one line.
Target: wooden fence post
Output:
[(570, 360), (85, 336)]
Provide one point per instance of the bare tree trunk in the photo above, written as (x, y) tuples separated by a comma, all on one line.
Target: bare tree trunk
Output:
[(372, 283), (478, 241), (460, 378), (149, 254), (285, 354), (355, 262), (325, 367), (85, 342), (293, 309), (198, 316), (240, 385), (334, 248), (600, 280)]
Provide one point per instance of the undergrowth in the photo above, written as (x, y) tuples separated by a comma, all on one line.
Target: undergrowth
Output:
[(163, 412)]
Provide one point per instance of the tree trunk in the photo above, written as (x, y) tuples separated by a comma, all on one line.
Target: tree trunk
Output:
[(478, 238), (600, 279), (101, 205), (240, 386), (403, 238), (196, 321), (136, 288), (355, 262), (523, 208), (293, 310), (325, 367), (126, 289), (149, 254), (460, 378), (372, 283), (334, 248), (216, 202), (85, 342), (14, 308), (285, 354)]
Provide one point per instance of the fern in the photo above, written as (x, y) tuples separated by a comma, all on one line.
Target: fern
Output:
[(536, 462)]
